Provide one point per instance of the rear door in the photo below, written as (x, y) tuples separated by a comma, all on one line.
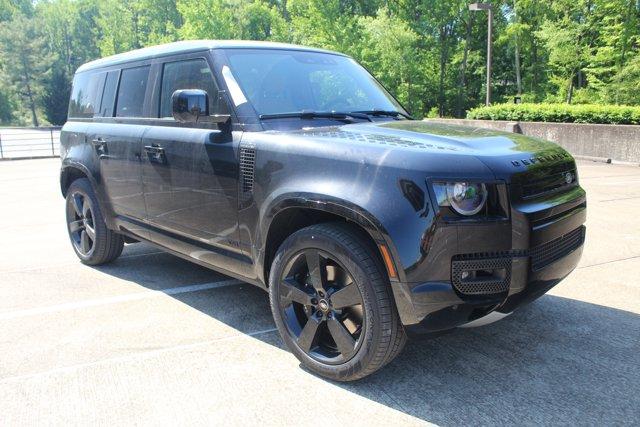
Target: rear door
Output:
[(116, 136), (190, 171)]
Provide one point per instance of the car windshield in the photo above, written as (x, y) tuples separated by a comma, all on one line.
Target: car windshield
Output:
[(289, 81)]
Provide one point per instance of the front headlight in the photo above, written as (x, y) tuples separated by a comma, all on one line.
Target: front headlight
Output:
[(466, 198)]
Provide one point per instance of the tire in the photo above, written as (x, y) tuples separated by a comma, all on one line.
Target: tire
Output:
[(90, 238), (347, 289)]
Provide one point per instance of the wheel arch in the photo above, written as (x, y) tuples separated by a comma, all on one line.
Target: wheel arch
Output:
[(294, 212), (72, 171)]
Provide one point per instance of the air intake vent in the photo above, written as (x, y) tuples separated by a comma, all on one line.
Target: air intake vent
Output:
[(545, 254), (247, 170), (478, 276)]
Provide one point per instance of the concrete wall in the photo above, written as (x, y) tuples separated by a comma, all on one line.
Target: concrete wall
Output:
[(611, 142)]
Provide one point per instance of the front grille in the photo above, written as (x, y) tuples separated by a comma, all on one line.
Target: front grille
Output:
[(549, 252), (549, 183), (483, 285)]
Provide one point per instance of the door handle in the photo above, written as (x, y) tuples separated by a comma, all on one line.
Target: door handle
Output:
[(100, 145), (155, 153), (153, 149)]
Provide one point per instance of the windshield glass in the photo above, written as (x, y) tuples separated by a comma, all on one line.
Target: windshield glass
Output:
[(289, 81)]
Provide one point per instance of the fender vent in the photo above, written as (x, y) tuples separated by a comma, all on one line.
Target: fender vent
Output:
[(247, 170)]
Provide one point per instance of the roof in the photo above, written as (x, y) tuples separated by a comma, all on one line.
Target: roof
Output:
[(190, 46)]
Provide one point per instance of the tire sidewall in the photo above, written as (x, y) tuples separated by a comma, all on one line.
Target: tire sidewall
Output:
[(83, 186), (316, 239)]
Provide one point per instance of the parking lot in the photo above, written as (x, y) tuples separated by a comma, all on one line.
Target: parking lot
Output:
[(153, 339)]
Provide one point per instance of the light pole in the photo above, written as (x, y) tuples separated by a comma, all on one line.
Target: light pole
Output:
[(489, 9)]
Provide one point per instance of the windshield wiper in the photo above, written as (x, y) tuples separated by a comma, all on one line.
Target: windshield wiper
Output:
[(317, 115), (389, 113)]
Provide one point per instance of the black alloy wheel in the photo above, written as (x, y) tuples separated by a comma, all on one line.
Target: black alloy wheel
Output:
[(332, 302), (321, 306), (81, 227), (92, 241)]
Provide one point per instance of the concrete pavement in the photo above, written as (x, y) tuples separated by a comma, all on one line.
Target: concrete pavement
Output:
[(153, 339)]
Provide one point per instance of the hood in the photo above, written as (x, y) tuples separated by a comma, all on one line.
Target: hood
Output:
[(509, 156)]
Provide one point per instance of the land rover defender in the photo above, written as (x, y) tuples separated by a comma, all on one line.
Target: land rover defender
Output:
[(294, 169)]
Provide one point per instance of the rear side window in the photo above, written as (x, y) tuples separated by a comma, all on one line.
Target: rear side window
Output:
[(133, 85), (191, 74), (86, 95), (109, 94)]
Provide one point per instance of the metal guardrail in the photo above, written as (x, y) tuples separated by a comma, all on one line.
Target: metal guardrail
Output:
[(29, 142)]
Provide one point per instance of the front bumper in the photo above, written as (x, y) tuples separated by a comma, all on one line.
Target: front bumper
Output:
[(545, 245)]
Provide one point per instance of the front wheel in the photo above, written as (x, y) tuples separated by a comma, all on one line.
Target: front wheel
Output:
[(332, 303), (92, 241)]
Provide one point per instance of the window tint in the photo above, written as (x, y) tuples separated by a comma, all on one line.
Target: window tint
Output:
[(86, 94), (191, 74), (109, 94), (133, 85)]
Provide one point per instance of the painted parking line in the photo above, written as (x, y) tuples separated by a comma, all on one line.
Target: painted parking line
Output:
[(608, 262), (136, 356), (116, 299), (77, 262)]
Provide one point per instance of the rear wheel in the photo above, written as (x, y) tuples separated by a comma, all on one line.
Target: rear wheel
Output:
[(332, 303), (92, 241)]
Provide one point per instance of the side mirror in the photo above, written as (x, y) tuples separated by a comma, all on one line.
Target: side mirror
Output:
[(188, 105), (192, 106)]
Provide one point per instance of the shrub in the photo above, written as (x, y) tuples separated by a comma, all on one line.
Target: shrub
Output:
[(561, 113)]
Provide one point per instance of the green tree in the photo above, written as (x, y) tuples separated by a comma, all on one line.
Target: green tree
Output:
[(429, 53), (389, 46), (159, 21), (566, 53), (625, 85), (26, 61), (257, 20), (131, 24), (70, 30), (330, 24), (7, 106), (56, 91), (205, 19), (615, 25), (10, 8)]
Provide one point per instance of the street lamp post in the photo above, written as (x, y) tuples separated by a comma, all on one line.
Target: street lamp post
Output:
[(489, 9)]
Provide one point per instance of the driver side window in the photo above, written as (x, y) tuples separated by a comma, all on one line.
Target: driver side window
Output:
[(189, 74)]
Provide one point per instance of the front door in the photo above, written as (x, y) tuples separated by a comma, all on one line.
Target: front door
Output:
[(190, 172)]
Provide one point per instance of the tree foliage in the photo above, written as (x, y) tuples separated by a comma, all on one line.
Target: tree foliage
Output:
[(429, 53), (26, 62)]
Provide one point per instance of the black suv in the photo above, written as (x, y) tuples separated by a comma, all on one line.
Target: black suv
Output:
[(293, 169)]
